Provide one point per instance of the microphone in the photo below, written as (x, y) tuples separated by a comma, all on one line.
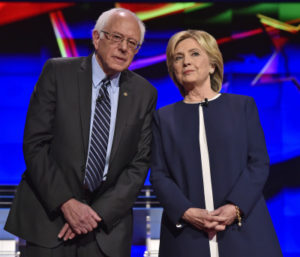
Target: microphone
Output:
[(205, 103)]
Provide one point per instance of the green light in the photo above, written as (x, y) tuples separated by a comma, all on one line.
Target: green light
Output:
[(59, 40), (170, 8), (278, 24), (61, 47), (289, 11), (265, 8), (197, 7), (222, 18)]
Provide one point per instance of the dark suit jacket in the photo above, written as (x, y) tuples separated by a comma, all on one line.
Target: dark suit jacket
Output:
[(239, 167), (55, 149)]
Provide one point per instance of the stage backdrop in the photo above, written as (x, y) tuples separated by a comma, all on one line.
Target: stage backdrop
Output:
[(261, 48)]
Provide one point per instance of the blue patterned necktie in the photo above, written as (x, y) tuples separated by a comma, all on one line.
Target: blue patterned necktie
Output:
[(99, 139)]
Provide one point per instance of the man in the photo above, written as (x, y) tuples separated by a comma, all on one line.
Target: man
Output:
[(87, 148)]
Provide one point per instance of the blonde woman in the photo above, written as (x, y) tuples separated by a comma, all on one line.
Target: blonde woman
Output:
[(209, 161)]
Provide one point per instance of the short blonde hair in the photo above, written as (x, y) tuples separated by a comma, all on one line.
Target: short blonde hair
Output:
[(209, 44)]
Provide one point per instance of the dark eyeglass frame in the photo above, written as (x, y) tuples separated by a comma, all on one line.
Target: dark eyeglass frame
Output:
[(119, 38)]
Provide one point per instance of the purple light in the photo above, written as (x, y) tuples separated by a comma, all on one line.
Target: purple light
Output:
[(147, 61)]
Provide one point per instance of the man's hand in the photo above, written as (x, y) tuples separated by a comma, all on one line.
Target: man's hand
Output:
[(80, 217), (66, 233), (226, 211), (203, 220)]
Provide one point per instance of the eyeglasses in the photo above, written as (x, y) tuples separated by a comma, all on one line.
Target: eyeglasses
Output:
[(119, 38)]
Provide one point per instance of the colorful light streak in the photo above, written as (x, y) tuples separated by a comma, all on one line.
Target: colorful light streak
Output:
[(12, 12), (159, 58), (271, 80), (138, 64), (239, 36), (264, 69), (63, 35), (278, 24), (150, 11), (278, 42), (197, 6)]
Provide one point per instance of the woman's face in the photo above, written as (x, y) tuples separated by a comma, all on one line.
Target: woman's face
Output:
[(191, 64)]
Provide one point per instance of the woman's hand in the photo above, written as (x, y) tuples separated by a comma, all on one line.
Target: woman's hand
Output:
[(227, 211), (203, 220)]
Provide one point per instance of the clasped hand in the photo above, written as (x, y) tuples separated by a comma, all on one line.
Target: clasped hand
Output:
[(211, 222), (80, 218)]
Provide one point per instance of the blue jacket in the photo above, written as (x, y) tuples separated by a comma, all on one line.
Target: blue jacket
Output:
[(239, 167)]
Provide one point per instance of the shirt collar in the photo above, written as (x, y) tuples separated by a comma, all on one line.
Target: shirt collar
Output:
[(99, 75)]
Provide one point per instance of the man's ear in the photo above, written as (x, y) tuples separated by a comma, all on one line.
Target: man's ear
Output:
[(96, 38)]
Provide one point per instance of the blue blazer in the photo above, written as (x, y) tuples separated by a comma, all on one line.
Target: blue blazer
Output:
[(239, 166)]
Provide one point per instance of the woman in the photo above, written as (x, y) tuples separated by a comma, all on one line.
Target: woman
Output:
[(210, 161)]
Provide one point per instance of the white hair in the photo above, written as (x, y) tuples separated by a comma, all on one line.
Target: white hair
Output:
[(104, 17)]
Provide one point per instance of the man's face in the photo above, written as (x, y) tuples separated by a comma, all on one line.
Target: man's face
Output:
[(114, 57)]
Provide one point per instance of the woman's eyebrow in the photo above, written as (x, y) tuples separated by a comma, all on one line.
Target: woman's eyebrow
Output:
[(190, 50)]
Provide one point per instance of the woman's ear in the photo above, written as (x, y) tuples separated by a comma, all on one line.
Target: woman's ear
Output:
[(212, 69)]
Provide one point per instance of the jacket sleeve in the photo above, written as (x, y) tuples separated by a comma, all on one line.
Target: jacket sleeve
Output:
[(171, 197), (249, 186), (116, 201), (43, 173)]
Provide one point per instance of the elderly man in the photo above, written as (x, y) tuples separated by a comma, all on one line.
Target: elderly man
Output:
[(86, 147)]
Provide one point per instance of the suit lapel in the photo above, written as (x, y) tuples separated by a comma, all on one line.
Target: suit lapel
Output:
[(85, 94), (125, 96)]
